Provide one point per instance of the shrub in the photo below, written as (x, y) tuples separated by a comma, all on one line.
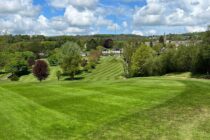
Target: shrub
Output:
[(14, 78), (84, 62), (53, 60)]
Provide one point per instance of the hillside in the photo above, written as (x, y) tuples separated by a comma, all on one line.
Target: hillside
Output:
[(104, 105), (109, 68)]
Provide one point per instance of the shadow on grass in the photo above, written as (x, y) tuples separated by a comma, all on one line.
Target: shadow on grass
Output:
[(200, 76), (2, 72), (74, 79)]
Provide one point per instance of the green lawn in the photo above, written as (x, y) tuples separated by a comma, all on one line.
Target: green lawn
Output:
[(105, 106)]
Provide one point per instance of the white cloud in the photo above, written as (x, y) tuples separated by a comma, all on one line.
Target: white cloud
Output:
[(113, 27), (195, 29), (173, 13), (151, 32), (77, 3), (125, 24), (101, 21), (21, 7), (79, 17), (17, 24), (135, 32), (149, 14), (145, 33), (91, 16), (43, 21)]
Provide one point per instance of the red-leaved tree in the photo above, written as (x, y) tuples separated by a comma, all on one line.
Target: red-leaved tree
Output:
[(41, 70)]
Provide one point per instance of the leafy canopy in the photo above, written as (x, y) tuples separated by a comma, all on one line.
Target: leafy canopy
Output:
[(70, 58)]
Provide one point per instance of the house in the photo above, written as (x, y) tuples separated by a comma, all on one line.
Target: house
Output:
[(106, 52), (179, 43), (84, 54)]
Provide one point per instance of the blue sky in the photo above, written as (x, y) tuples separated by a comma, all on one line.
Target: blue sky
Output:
[(73, 17)]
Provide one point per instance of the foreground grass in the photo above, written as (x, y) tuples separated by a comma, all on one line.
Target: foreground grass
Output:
[(142, 108), (105, 106)]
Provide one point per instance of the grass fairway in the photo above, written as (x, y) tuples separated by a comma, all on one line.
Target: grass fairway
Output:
[(165, 108)]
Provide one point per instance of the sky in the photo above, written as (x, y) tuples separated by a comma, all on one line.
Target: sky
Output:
[(88, 17)]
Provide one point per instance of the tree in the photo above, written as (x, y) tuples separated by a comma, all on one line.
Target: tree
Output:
[(158, 48), (108, 43), (93, 59), (206, 38), (4, 57), (70, 58), (91, 45), (142, 61), (31, 61), (183, 58), (30, 58), (58, 74), (201, 61), (168, 61), (128, 51), (17, 63), (41, 70), (37, 48), (151, 43), (161, 40), (53, 59), (157, 67), (94, 56)]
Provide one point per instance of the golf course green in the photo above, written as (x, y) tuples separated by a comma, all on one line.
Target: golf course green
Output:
[(104, 105)]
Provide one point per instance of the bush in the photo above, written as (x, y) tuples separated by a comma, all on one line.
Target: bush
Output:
[(84, 62), (17, 63), (53, 60), (14, 78), (92, 65)]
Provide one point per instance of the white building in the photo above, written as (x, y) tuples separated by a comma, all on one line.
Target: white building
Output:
[(112, 52)]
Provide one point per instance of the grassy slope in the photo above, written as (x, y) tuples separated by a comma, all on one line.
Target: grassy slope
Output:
[(140, 108), (109, 68)]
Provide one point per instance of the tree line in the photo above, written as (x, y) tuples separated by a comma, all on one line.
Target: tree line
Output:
[(21, 55), (162, 58), (68, 57)]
